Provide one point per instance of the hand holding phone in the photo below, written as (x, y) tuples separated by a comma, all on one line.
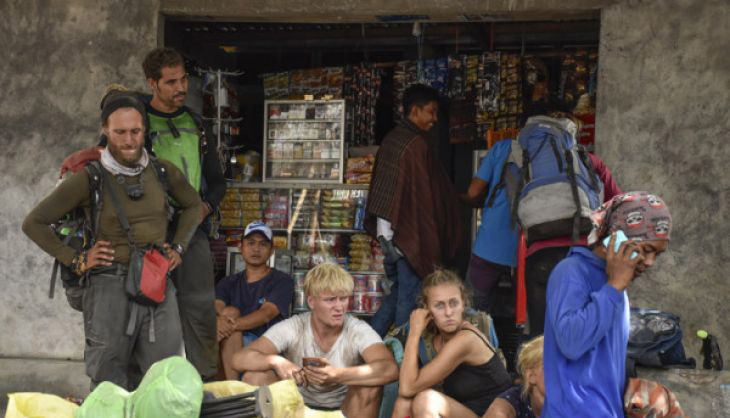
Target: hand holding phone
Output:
[(620, 238)]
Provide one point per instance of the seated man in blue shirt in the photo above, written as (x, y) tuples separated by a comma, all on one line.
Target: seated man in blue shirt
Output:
[(587, 317), (249, 302)]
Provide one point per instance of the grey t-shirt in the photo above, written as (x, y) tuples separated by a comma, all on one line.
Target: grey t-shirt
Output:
[(294, 340)]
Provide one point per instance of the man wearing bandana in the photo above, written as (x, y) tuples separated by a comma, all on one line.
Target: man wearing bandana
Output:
[(116, 340), (587, 317)]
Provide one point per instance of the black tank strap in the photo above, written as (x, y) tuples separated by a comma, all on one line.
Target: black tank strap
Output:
[(481, 336)]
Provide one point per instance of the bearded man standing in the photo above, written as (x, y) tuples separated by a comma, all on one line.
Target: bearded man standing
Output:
[(120, 333)]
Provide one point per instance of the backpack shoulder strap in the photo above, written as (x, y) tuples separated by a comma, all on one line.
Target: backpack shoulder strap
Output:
[(583, 154), (121, 215), (201, 128), (161, 172), (574, 191), (96, 186), (513, 157)]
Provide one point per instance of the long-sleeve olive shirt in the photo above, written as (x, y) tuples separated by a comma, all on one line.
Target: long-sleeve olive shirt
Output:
[(147, 216)]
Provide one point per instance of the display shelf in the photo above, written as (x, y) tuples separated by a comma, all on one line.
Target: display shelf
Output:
[(303, 120), (288, 125), (305, 140), (303, 160), (326, 230), (277, 203), (298, 186)]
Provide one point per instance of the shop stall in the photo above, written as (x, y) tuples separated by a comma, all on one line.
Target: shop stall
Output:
[(303, 108)]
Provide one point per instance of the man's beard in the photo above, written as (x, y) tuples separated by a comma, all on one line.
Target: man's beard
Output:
[(121, 159), (174, 99)]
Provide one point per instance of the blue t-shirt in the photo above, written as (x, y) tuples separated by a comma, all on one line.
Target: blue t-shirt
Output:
[(586, 335), (276, 287), (496, 240)]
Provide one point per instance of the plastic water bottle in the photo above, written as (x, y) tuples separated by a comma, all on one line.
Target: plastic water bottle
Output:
[(359, 214), (710, 351)]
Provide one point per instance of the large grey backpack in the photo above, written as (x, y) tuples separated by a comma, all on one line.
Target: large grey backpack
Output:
[(550, 181)]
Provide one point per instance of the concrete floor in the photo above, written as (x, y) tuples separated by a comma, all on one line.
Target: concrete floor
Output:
[(702, 393), (59, 377)]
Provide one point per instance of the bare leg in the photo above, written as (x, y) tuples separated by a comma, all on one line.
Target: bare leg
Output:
[(433, 404), (229, 346), (362, 401), (260, 378), (402, 408)]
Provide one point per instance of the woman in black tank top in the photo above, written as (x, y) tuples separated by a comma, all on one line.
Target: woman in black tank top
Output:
[(466, 365)]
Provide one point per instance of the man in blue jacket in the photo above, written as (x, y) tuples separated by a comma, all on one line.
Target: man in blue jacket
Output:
[(587, 317)]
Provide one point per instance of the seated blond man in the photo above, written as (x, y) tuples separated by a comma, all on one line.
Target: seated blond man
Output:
[(338, 361)]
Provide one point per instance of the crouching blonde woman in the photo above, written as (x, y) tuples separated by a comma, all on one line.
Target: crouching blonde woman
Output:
[(525, 400), (466, 366)]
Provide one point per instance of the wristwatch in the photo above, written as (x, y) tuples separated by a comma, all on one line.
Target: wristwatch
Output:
[(178, 248)]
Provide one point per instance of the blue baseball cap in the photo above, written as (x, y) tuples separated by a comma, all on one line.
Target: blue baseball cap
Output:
[(260, 227)]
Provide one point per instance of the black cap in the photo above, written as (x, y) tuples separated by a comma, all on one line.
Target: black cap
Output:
[(118, 99)]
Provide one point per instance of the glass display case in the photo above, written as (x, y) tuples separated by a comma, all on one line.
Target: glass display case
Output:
[(312, 224), (304, 140)]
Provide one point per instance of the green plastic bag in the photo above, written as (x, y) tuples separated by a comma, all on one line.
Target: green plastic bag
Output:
[(171, 388), (107, 400)]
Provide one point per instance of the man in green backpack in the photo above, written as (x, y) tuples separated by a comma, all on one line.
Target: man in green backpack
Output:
[(177, 135)]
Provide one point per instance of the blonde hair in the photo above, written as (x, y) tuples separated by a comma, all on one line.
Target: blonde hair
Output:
[(327, 277), (437, 278), (530, 358)]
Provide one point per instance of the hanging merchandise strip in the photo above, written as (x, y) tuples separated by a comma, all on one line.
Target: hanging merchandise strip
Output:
[(486, 91), (363, 91)]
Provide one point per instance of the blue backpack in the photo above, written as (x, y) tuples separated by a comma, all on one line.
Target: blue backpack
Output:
[(550, 181)]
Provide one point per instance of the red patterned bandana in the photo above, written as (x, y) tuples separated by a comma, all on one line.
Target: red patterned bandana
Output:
[(641, 215)]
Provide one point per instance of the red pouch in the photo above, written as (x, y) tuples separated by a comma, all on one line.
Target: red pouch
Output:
[(147, 278)]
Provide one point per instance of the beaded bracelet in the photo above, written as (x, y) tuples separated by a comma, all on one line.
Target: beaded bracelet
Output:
[(78, 264)]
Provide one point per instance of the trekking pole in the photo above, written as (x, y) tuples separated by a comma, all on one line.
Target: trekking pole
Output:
[(521, 299)]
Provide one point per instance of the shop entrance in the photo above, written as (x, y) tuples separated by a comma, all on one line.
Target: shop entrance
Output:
[(487, 73), (490, 75)]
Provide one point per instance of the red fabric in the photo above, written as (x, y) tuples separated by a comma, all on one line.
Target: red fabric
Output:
[(587, 133), (521, 305), (154, 275), (646, 398), (79, 159), (610, 189)]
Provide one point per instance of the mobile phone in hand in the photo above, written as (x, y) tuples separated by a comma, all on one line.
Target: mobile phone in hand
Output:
[(311, 362), (620, 238)]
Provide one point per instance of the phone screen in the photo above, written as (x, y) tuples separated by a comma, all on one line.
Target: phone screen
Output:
[(620, 238), (311, 362)]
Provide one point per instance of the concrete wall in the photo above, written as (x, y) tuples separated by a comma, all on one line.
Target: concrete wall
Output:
[(367, 10), (55, 61), (663, 100), (664, 95)]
